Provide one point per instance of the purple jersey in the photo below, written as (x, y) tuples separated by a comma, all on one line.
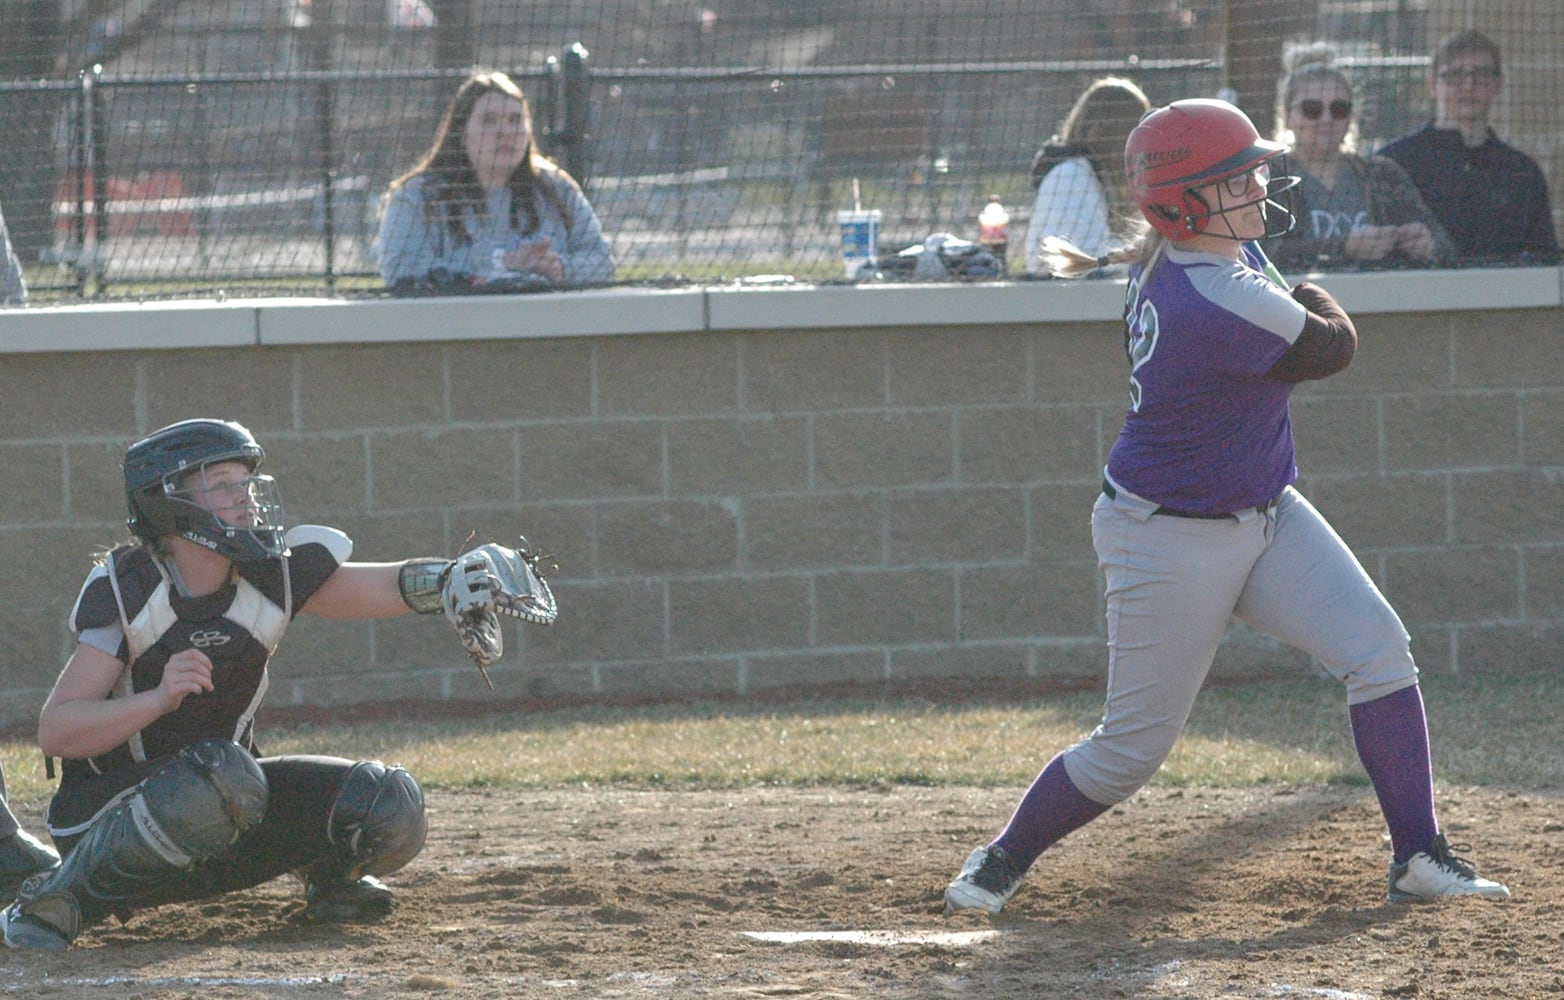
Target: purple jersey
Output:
[(1207, 431)]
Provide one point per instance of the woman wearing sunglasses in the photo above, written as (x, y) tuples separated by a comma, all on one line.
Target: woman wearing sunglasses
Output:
[(1353, 210)]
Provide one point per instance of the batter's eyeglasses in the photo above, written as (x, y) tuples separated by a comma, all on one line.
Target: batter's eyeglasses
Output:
[(1312, 110), (1239, 186)]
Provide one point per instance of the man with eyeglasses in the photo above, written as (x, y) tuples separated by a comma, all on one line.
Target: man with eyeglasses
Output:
[(1491, 197)]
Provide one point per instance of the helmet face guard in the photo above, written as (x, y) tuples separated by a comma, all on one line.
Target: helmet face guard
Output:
[(1276, 208), (169, 492), (1189, 145)]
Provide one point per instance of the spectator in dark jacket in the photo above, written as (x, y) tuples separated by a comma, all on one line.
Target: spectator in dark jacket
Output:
[(1490, 197)]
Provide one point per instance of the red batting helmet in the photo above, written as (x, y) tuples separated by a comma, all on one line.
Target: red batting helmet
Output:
[(1187, 145)]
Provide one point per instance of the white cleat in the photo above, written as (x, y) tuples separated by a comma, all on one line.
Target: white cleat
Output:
[(987, 880), (1436, 872)]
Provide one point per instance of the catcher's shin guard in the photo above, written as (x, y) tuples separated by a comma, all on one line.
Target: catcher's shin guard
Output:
[(189, 810), (377, 824)]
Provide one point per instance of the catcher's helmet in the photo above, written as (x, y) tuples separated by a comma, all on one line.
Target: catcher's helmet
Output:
[(161, 496), (1190, 144)]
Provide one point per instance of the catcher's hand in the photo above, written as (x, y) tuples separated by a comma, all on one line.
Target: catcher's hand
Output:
[(486, 582)]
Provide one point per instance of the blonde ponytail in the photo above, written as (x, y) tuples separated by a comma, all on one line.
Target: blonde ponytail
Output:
[(1066, 260)]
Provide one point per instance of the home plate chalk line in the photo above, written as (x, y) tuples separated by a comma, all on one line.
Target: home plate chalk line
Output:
[(335, 979), (881, 939)]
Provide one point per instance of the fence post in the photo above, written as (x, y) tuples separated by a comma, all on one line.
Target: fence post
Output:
[(576, 87), (90, 182), (325, 124), (78, 168), (546, 116), (98, 116)]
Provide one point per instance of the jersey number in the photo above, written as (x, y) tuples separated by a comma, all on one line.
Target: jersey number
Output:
[(1140, 333)]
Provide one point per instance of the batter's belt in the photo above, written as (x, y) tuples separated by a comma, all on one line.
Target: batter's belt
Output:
[(1111, 493)]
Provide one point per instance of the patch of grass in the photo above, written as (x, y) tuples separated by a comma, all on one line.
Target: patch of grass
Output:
[(1496, 731)]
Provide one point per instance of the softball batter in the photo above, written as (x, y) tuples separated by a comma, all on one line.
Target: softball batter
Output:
[(1197, 521)]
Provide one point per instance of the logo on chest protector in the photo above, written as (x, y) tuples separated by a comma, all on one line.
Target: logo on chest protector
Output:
[(209, 637)]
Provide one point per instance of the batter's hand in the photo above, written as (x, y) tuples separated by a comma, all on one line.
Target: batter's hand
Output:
[(186, 673)]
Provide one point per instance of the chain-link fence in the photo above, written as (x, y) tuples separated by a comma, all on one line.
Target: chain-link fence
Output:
[(180, 148)]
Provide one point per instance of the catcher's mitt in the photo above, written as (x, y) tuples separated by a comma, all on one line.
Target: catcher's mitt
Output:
[(486, 582), (518, 589)]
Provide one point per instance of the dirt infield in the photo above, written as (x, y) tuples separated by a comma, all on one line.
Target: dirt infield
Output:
[(835, 892)]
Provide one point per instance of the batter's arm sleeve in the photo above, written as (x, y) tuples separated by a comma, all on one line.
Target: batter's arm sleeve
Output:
[(1326, 344)]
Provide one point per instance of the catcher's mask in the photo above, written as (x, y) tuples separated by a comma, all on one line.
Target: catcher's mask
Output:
[(1199, 142), (167, 490)]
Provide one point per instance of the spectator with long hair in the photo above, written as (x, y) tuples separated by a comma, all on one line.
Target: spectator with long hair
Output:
[(1082, 195), (483, 208)]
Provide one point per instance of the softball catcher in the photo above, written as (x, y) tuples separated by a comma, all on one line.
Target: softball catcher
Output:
[(164, 795), (1198, 522)]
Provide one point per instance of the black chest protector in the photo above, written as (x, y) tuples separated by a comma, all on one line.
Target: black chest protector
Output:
[(238, 628)]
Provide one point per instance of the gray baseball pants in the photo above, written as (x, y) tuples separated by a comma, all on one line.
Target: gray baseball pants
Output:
[(1173, 584)]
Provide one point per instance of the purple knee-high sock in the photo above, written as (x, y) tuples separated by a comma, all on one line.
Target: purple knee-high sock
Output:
[(1051, 808), (1391, 734)]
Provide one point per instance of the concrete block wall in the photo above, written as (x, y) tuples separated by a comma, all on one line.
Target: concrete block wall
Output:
[(739, 510)]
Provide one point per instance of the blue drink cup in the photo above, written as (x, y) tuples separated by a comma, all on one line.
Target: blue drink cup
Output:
[(860, 236)]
